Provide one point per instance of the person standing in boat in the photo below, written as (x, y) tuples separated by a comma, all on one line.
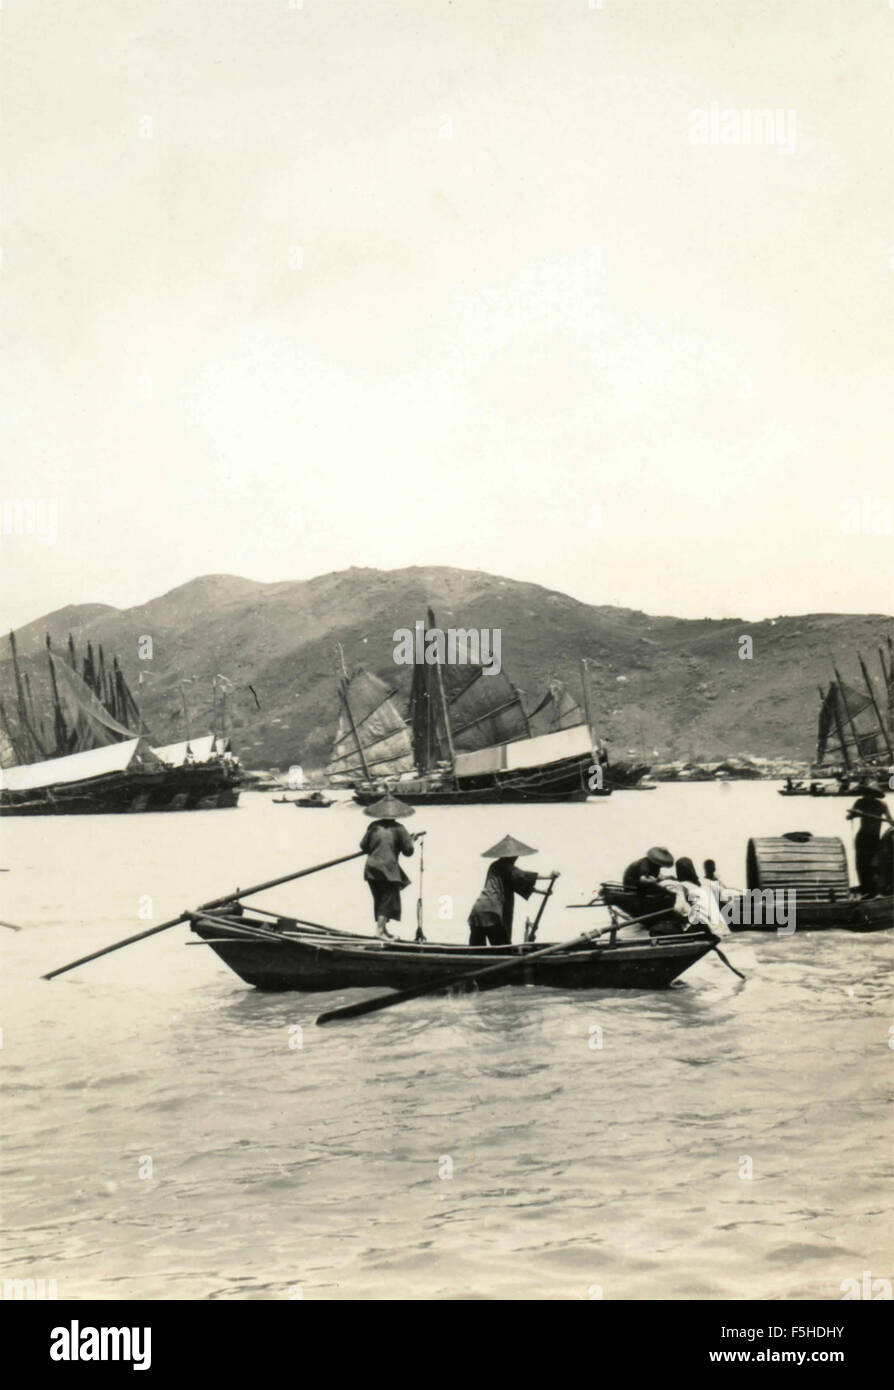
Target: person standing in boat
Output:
[(490, 921), (383, 844), (872, 813)]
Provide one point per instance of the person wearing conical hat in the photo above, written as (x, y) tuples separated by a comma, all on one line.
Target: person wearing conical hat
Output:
[(383, 844), (642, 876), (490, 921), (871, 811)]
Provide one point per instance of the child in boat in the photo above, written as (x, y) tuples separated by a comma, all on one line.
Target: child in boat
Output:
[(718, 895), (490, 921), (383, 843)]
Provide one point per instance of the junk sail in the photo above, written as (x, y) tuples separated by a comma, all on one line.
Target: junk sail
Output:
[(481, 710), (855, 728), (557, 710), (372, 738), (93, 756), (86, 721), (467, 736)]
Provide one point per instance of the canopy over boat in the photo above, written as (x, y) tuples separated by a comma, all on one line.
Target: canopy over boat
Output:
[(175, 754), (79, 767)]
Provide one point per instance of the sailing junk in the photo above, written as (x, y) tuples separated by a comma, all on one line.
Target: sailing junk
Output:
[(855, 730), (466, 739), (98, 757)]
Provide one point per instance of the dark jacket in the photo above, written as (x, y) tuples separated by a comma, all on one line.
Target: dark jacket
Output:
[(502, 883), (875, 811), (383, 843), (638, 870)]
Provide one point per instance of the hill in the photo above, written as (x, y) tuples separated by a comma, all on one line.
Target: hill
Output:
[(663, 687)]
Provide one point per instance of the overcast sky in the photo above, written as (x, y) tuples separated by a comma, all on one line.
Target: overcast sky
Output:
[(417, 282)]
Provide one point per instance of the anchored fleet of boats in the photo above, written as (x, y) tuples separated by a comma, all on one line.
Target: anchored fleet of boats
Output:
[(90, 753), (466, 737)]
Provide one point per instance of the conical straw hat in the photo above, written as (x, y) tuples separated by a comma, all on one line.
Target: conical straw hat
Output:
[(659, 855), (508, 848), (389, 808)]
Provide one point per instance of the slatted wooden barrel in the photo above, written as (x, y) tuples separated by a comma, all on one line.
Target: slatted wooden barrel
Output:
[(815, 865)]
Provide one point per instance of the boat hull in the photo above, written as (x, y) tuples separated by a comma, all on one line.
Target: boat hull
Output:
[(848, 914), (287, 959), (180, 789), (627, 776), (567, 780)]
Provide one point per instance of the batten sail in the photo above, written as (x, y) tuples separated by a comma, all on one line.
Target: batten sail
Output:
[(371, 719), (847, 722)]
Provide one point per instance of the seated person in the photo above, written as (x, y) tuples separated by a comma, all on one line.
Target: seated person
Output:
[(643, 878)]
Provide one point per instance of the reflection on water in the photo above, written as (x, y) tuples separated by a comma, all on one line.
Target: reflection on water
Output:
[(521, 1143)]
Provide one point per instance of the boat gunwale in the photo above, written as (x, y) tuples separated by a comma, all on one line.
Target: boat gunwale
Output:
[(363, 948)]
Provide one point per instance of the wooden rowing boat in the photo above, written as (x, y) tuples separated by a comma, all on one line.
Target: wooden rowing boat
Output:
[(806, 874), (280, 953)]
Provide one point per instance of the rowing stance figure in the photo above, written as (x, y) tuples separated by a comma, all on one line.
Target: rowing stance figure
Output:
[(871, 811), (490, 921), (383, 844)]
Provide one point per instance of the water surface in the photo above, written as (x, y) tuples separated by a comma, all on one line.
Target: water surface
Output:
[(485, 1146)]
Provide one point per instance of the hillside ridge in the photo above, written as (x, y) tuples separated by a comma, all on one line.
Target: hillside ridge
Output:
[(662, 687)]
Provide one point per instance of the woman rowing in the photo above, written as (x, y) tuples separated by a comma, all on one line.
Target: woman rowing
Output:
[(384, 842), (490, 920)]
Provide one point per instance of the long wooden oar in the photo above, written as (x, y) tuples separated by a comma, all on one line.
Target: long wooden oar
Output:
[(531, 927), (420, 934), (205, 907), (11, 926), (387, 1001)]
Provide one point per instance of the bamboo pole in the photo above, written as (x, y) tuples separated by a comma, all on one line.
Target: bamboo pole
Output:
[(838, 725), (343, 692), (61, 728), (205, 907), (871, 692), (850, 717)]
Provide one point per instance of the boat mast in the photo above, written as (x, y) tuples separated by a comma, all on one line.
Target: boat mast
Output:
[(850, 717), (32, 742), (446, 713), (17, 752), (888, 673), (881, 723), (585, 686), (828, 695), (343, 692), (183, 683), (448, 727), (421, 711), (58, 716)]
